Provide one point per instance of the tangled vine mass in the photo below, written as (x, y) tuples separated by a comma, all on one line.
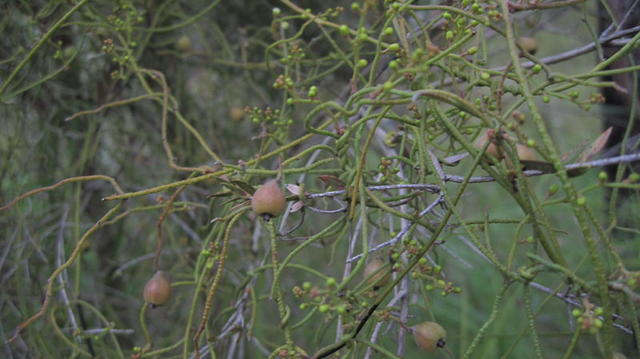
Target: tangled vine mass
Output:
[(289, 179)]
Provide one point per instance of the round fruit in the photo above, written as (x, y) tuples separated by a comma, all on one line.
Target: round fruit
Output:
[(375, 274), (183, 44), (157, 291), (529, 44), (429, 336), (236, 113), (269, 200), (482, 140), (525, 153)]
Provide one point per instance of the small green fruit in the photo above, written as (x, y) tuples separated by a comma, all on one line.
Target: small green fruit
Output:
[(269, 200), (536, 68), (157, 291), (429, 336), (394, 47)]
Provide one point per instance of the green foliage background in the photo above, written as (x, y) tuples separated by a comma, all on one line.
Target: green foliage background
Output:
[(85, 97)]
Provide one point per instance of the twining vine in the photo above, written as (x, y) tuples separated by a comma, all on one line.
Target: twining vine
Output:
[(375, 172)]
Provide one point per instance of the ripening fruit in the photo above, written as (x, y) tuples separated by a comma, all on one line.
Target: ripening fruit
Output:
[(269, 200), (157, 291), (529, 44), (429, 336), (376, 274), (482, 140), (236, 113), (183, 44), (525, 153)]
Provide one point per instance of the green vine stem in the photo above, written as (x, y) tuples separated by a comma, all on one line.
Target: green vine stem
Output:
[(58, 24), (275, 289), (386, 103), (62, 182), (74, 255), (145, 331), (532, 323), (492, 316), (107, 331), (222, 258), (572, 343), (332, 348), (567, 186)]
